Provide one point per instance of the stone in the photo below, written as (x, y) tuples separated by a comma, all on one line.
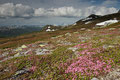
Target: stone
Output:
[(26, 52), (88, 29), (73, 49), (111, 46), (112, 28), (42, 51), (108, 46), (113, 75), (41, 45), (17, 55), (105, 46), (23, 46), (59, 36), (94, 79), (76, 32), (67, 34), (5, 53), (19, 73), (18, 49), (82, 29)]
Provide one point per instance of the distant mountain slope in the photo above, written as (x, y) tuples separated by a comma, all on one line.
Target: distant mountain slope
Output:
[(92, 20), (16, 31)]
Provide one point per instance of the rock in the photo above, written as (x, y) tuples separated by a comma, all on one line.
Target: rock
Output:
[(113, 75), (23, 46), (18, 49), (76, 32), (5, 53), (26, 52), (112, 28), (85, 38), (6, 70), (108, 46), (88, 29), (82, 29), (111, 46), (17, 55), (53, 37), (94, 79), (73, 49), (41, 45), (19, 73), (105, 46), (67, 34), (59, 36), (42, 51)]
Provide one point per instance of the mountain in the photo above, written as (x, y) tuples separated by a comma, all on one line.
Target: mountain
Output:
[(93, 19), (119, 11), (13, 31)]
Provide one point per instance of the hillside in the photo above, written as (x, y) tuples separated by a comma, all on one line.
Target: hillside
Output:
[(76, 52), (13, 31), (92, 20)]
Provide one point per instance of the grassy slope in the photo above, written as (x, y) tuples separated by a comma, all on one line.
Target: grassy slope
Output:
[(48, 65)]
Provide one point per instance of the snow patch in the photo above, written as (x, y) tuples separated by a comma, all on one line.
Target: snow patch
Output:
[(48, 30), (107, 22), (86, 19), (74, 24), (88, 22)]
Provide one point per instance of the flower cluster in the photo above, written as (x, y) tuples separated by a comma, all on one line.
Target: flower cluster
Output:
[(84, 45), (86, 65), (90, 51)]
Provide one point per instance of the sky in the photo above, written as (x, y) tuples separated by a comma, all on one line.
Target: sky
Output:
[(55, 12)]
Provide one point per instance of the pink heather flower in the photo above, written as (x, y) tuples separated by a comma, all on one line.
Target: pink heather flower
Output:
[(33, 68), (86, 65)]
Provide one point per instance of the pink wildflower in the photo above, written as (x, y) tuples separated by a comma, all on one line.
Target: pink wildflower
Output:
[(33, 68)]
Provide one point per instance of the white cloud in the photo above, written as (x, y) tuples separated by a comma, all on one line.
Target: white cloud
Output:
[(100, 10), (23, 11), (72, 12), (62, 11), (18, 10), (104, 10)]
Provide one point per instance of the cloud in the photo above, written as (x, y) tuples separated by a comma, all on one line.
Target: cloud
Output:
[(61, 12), (72, 12), (18, 10), (99, 10), (105, 10), (23, 11)]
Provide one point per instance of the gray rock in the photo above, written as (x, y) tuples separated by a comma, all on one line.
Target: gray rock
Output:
[(17, 55), (82, 29), (76, 32), (112, 28), (19, 73), (94, 79), (113, 75), (68, 34), (73, 49), (42, 51)]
